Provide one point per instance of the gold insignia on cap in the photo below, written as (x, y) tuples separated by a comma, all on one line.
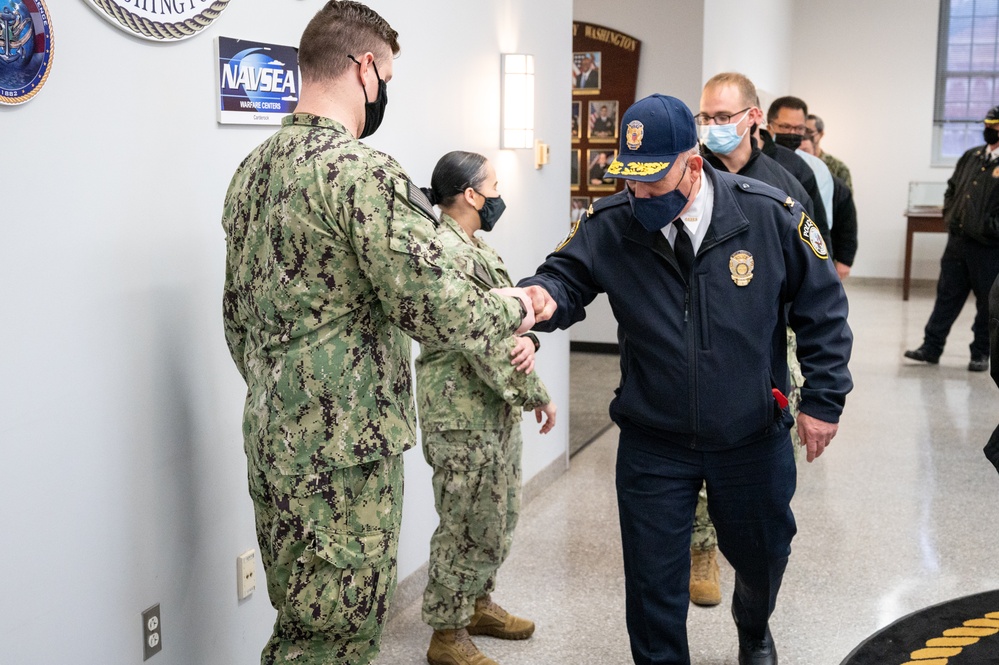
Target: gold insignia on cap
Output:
[(741, 265), (809, 233), (634, 134), (636, 168)]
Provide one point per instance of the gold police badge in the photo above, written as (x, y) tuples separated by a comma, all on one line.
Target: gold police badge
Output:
[(633, 135), (741, 264), (995, 172)]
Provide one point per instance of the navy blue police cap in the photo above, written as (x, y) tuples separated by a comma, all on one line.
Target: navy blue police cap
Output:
[(654, 131), (992, 117)]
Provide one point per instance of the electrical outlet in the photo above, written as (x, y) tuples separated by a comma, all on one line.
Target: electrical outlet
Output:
[(246, 574), (152, 632)]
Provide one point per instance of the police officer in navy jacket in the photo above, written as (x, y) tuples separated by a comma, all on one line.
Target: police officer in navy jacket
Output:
[(703, 271)]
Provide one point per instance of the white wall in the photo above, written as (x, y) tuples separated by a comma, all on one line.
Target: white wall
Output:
[(670, 63), (123, 478), (875, 91), (754, 39)]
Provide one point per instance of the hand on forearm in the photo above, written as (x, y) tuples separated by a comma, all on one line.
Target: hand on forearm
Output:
[(522, 356)]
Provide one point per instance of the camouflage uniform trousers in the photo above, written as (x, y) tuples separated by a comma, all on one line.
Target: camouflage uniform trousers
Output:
[(477, 481), (703, 536), (328, 543)]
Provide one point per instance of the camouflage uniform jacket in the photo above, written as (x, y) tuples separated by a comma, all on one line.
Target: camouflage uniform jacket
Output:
[(331, 260), (838, 169), (463, 390)]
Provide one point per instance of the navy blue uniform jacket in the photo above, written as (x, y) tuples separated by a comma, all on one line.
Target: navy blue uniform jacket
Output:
[(698, 364)]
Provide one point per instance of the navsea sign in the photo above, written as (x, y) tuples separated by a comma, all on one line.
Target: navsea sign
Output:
[(258, 83), (25, 49), (160, 20)]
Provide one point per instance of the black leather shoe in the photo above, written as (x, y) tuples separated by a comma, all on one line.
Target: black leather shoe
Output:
[(923, 355), (757, 652), (979, 364)]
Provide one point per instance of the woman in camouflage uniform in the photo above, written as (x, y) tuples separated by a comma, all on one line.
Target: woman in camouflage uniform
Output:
[(470, 411)]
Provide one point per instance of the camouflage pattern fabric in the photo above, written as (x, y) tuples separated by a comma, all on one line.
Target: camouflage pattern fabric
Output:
[(703, 536), (838, 169), (328, 543), (463, 390), (477, 480), (794, 397), (472, 439), (331, 261), (330, 264)]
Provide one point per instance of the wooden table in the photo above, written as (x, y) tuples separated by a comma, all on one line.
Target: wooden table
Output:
[(918, 221)]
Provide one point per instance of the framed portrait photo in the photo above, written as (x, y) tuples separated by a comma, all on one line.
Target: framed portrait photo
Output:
[(586, 73), (575, 168), (577, 121), (602, 125), (597, 162), (577, 206)]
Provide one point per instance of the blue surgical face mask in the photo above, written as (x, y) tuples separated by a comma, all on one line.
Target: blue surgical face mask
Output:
[(656, 212), (722, 139)]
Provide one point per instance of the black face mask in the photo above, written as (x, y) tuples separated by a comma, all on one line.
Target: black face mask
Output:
[(373, 111), (792, 141), (490, 211), (991, 135)]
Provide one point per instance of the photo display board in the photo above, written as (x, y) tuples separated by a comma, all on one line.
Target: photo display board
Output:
[(604, 82)]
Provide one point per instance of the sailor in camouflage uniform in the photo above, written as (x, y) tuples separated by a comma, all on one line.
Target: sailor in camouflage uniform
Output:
[(331, 262), (470, 412)]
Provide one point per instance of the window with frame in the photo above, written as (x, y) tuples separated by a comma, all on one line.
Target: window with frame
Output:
[(967, 76)]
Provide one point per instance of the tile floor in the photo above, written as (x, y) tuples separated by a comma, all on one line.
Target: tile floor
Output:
[(900, 513)]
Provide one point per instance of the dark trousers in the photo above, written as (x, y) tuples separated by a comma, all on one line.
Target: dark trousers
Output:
[(749, 496), (966, 266)]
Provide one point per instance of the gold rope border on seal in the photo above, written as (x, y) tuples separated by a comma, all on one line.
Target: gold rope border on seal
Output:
[(163, 31), (940, 650), (13, 101)]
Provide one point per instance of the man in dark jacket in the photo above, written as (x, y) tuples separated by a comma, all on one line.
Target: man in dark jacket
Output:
[(725, 126), (992, 447), (970, 261), (726, 135), (704, 271)]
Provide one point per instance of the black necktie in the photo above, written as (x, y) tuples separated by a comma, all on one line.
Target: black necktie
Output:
[(683, 248)]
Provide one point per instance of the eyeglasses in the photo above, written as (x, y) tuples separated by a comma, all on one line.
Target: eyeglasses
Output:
[(719, 118), (784, 128)]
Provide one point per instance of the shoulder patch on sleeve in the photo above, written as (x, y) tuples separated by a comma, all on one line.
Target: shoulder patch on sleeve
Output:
[(591, 212), (809, 234), (420, 201), (572, 231)]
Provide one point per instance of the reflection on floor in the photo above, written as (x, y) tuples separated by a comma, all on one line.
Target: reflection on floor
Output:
[(900, 513), (593, 378)]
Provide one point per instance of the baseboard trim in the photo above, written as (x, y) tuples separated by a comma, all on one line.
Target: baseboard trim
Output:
[(594, 347), (410, 589)]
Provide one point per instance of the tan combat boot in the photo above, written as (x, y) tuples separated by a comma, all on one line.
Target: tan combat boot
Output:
[(455, 647), (705, 587), (491, 619)]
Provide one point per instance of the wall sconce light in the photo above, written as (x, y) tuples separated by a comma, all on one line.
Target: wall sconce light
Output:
[(540, 153), (517, 101)]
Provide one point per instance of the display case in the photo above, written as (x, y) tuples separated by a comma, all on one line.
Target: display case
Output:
[(926, 198)]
